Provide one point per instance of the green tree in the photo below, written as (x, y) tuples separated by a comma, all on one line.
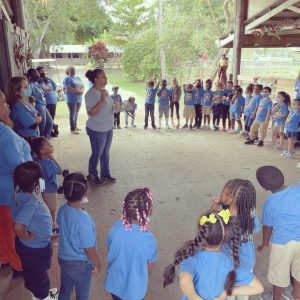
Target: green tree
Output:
[(55, 22)]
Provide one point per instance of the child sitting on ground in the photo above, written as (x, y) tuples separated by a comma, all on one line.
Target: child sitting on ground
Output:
[(77, 252), (281, 223), (206, 271), (132, 249), (32, 225), (292, 128), (189, 107), (262, 118), (44, 151), (279, 114), (130, 107)]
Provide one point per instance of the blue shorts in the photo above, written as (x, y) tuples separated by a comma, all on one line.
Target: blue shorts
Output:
[(234, 116), (290, 134)]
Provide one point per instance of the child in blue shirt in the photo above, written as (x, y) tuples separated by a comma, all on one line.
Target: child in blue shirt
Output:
[(198, 89), (130, 107), (117, 99), (217, 104), (239, 196), (279, 114), (207, 104), (262, 118), (237, 104), (164, 95), (151, 91), (32, 225), (226, 104), (132, 249), (189, 107), (44, 150), (77, 252), (281, 223), (292, 128), (206, 271), (248, 103)]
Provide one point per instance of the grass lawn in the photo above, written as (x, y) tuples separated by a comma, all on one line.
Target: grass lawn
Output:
[(119, 78)]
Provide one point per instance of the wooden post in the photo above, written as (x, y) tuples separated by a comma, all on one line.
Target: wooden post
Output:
[(240, 13), (18, 10)]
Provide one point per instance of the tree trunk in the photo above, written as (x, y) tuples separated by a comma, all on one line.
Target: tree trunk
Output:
[(39, 42), (163, 64)]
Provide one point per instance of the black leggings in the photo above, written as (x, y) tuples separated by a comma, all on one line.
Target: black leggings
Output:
[(225, 115), (198, 118), (176, 104), (216, 119), (117, 119), (52, 110)]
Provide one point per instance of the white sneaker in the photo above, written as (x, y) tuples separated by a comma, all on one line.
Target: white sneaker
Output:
[(298, 165), (126, 126), (242, 132), (286, 154), (203, 127), (231, 131), (266, 296), (167, 126), (53, 295), (132, 125)]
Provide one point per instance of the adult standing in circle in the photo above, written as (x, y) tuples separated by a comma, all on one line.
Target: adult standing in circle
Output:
[(40, 103), (73, 88), (49, 88), (99, 126), (14, 150), (297, 86), (23, 114), (174, 101)]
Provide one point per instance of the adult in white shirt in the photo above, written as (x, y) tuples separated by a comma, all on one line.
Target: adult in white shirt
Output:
[(99, 126)]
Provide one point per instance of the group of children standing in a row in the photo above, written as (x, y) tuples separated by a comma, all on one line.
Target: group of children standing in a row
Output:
[(229, 104), (218, 262)]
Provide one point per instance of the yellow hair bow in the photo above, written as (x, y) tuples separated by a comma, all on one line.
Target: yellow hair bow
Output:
[(225, 214), (211, 219)]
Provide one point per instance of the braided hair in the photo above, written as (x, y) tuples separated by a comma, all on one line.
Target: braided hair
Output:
[(137, 206), (209, 234), (244, 194)]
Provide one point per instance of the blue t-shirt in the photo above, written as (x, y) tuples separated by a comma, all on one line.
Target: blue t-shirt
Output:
[(23, 117), (281, 211), (209, 270), (264, 107), (292, 121), (237, 106), (77, 231), (189, 98), (248, 103), (279, 109), (129, 252), (38, 93), (49, 89), (228, 92), (297, 88), (207, 98), (218, 94), (150, 95), (198, 95), (164, 95), (75, 83), (14, 150), (116, 98), (254, 102), (175, 93), (50, 172), (29, 210)]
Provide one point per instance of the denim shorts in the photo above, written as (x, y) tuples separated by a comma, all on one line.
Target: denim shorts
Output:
[(234, 116), (290, 134)]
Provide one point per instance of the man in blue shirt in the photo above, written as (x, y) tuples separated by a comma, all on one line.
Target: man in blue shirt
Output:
[(151, 91)]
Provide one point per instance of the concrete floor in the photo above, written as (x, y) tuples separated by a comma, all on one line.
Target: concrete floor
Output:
[(184, 169)]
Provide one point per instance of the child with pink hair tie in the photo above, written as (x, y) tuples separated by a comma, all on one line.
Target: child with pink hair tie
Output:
[(132, 249)]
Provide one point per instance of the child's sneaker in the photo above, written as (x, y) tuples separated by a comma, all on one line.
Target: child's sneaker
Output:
[(203, 126), (298, 165), (266, 296), (260, 143), (249, 142), (132, 125), (286, 154), (185, 126), (191, 127), (145, 126), (153, 127), (119, 127), (126, 126), (231, 131)]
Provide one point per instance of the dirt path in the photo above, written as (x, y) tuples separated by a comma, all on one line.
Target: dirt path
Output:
[(184, 169)]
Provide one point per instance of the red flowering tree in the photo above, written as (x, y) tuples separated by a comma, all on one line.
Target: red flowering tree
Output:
[(99, 54)]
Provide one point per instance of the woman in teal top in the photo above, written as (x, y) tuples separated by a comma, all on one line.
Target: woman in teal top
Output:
[(73, 88)]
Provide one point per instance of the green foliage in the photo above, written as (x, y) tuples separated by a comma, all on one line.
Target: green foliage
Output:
[(141, 58)]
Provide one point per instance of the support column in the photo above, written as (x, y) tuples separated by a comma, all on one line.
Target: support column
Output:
[(241, 14), (18, 10)]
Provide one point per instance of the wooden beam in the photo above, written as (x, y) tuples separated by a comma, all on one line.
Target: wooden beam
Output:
[(241, 14), (270, 14), (294, 9)]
